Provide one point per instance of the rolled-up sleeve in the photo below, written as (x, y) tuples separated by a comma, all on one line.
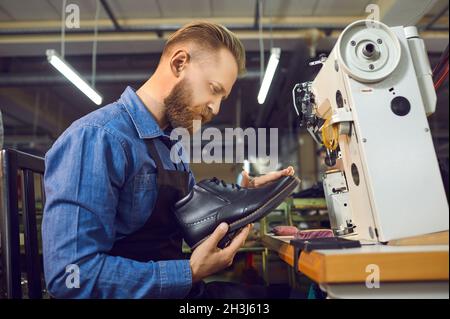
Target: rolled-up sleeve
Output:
[(85, 170)]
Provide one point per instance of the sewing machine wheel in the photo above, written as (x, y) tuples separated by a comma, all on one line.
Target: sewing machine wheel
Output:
[(368, 51)]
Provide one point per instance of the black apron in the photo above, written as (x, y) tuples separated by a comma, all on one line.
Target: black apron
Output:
[(160, 238)]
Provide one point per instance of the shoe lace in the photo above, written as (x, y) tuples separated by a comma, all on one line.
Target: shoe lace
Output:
[(224, 184)]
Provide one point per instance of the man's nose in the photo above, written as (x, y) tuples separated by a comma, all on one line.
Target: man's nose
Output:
[(214, 107)]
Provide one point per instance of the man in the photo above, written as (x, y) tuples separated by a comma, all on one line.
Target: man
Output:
[(108, 231)]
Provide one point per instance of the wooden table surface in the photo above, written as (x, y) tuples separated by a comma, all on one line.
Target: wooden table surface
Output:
[(395, 263)]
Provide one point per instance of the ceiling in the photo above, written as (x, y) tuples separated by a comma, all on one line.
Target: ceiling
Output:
[(13, 10), (38, 104), (29, 27), (37, 10)]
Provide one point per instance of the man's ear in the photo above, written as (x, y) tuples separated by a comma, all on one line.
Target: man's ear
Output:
[(178, 62)]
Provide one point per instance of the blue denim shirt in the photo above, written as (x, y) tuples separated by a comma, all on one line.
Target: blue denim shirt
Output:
[(100, 185)]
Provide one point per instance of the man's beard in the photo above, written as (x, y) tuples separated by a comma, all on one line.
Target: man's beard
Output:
[(179, 111)]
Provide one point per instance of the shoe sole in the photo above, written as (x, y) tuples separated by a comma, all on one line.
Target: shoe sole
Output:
[(258, 213)]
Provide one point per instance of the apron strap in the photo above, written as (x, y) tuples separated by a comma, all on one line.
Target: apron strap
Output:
[(151, 146), (154, 153)]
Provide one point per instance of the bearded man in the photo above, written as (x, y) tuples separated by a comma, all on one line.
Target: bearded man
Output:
[(108, 230)]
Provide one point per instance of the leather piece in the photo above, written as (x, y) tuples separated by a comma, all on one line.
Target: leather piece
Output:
[(314, 233), (285, 230)]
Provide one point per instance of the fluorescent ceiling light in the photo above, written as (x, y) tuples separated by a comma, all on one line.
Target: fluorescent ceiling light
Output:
[(268, 75), (62, 66)]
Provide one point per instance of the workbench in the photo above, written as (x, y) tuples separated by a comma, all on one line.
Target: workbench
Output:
[(419, 271)]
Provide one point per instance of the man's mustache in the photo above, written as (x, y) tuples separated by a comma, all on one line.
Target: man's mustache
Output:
[(207, 114)]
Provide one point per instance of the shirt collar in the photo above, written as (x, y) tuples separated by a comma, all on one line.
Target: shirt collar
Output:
[(143, 120)]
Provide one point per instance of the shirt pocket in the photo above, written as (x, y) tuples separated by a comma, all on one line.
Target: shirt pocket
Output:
[(144, 196)]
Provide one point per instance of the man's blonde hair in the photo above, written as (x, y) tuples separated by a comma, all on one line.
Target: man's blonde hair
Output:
[(210, 36)]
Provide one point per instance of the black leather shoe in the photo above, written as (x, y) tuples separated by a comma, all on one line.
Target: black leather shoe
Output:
[(212, 202)]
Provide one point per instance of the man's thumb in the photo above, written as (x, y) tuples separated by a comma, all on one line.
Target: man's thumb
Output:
[(218, 233), (245, 179)]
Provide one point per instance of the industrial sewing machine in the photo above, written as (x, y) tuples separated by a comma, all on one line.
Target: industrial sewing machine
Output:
[(368, 106)]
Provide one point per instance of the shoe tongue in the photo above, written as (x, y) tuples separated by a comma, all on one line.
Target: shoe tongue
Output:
[(214, 183), (209, 181), (214, 180)]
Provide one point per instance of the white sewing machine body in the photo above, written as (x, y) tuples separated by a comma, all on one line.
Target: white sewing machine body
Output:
[(376, 90)]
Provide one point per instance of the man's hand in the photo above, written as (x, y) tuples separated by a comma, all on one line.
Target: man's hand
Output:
[(208, 259), (259, 181)]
